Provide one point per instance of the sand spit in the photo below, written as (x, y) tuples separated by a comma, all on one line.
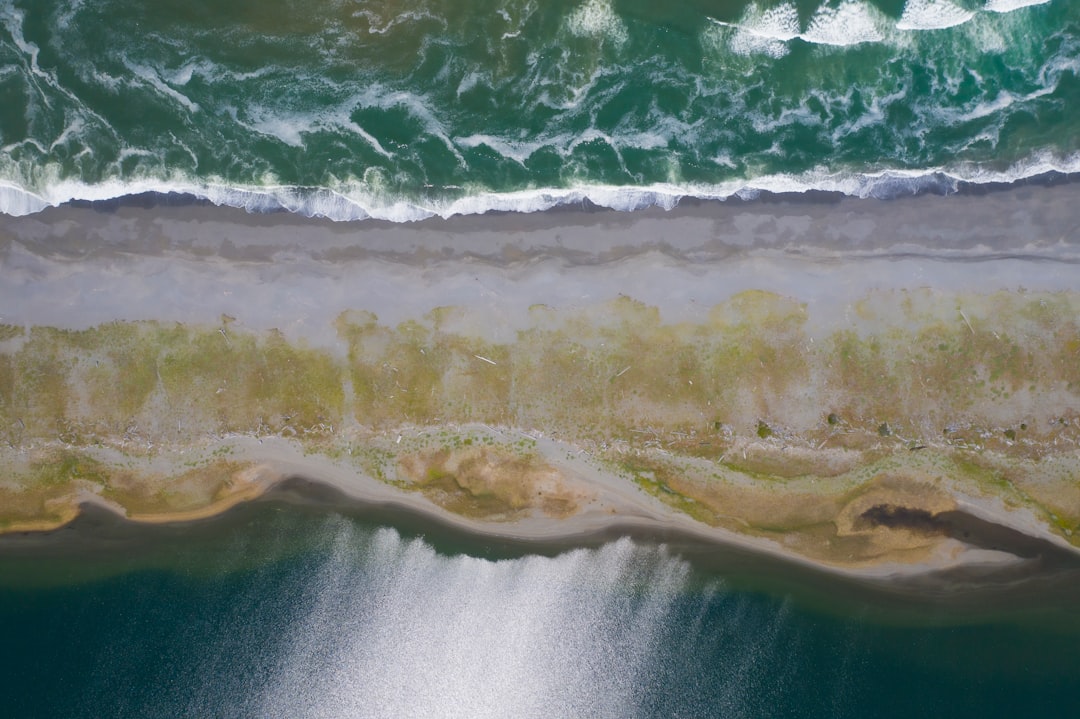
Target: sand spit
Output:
[(890, 531), (874, 388)]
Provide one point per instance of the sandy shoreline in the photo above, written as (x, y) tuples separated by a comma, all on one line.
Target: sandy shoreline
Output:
[(967, 592), (341, 314), (1018, 220), (76, 267), (276, 470)]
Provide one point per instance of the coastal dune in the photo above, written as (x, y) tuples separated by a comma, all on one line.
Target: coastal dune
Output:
[(875, 388)]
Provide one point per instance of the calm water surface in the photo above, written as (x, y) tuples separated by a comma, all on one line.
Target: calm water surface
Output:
[(288, 612)]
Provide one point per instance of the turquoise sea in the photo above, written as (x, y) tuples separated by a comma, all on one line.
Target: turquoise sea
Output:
[(358, 108), (286, 612)]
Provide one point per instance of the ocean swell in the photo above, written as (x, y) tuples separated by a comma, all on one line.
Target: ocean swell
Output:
[(524, 107)]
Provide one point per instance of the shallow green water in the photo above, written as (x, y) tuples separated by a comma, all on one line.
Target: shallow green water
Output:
[(292, 613), (350, 108)]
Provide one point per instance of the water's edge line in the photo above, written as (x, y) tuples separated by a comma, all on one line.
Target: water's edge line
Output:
[(326, 203), (96, 521)]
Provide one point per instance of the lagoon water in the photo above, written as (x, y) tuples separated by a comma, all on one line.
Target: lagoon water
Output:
[(286, 612)]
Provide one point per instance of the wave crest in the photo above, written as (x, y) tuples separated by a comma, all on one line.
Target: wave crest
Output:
[(849, 23), (1010, 5), (932, 15), (770, 30), (350, 203)]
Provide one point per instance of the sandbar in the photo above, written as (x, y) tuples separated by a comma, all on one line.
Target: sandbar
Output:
[(878, 389)]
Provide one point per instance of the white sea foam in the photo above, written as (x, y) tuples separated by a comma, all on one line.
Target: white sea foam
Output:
[(416, 105), (18, 202), (766, 31), (990, 107), (357, 200), (769, 31), (183, 74), (45, 93), (281, 121), (468, 82), (746, 42), (932, 15), (848, 23), (873, 114), (519, 152), (66, 14), (1010, 5), (378, 25), (596, 18), (153, 78), (286, 127), (780, 22), (988, 38), (70, 132), (12, 20), (564, 144)]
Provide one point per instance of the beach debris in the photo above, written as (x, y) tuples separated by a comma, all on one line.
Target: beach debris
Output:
[(962, 315), (485, 359)]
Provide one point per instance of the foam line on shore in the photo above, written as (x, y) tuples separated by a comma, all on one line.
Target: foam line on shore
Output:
[(351, 204)]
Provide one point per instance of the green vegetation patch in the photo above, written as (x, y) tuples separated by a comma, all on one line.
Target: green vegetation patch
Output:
[(193, 489), (921, 372), (41, 491), (8, 332), (488, 482)]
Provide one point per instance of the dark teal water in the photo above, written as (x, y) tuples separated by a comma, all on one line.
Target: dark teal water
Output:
[(293, 613), (356, 108)]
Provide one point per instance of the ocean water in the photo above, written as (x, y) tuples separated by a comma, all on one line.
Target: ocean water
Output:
[(381, 108), (295, 614)]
